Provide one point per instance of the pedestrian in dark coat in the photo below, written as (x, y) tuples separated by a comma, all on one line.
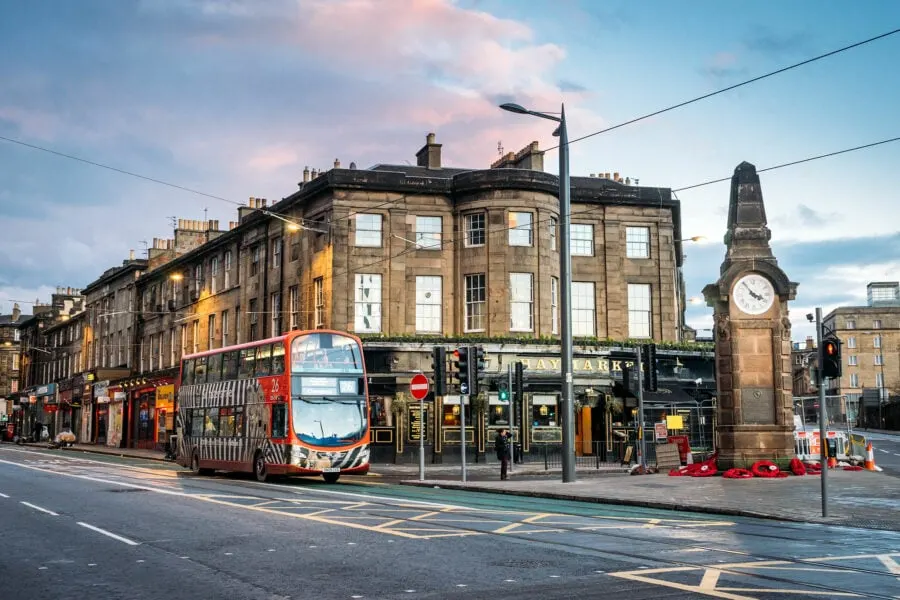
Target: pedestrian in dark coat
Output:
[(503, 446)]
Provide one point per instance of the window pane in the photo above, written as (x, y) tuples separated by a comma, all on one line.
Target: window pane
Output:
[(367, 303), (553, 225), (230, 362), (187, 372), (520, 229), (214, 368), (637, 242), (211, 422), (279, 420), (476, 300), (582, 240), (368, 230), (639, 310), (263, 360), (428, 233), (226, 421), (277, 359), (475, 229), (200, 370), (248, 363), (521, 299), (428, 304), (554, 305), (583, 309)]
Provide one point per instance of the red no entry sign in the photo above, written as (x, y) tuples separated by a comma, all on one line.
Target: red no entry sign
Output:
[(418, 386)]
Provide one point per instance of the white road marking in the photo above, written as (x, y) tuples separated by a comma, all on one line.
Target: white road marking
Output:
[(124, 540), (42, 568), (882, 450), (3, 496), (35, 507)]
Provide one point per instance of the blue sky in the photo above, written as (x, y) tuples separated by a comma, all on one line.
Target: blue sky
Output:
[(235, 97)]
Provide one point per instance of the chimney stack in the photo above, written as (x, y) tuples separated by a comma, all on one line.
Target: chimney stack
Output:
[(313, 174), (131, 255), (16, 313), (429, 155), (337, 164), (305, 174), (809, 343)]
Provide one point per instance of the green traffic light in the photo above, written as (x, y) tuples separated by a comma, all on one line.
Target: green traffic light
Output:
[(504, 395)]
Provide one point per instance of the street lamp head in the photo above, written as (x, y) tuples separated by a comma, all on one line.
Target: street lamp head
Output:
[(293, 227), (515, 108), (810, 317), (175, 276)]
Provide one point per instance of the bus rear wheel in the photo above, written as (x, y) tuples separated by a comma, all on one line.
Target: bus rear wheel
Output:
[(259, 468), (195, 466), (331, 477)]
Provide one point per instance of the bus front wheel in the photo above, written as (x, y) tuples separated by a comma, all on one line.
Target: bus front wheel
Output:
[(331, 477), (259, 467)]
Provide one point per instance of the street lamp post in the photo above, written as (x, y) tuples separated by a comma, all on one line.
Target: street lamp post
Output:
[(565, 275)]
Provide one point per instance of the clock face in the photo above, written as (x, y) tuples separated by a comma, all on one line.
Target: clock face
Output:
[(753, 294)]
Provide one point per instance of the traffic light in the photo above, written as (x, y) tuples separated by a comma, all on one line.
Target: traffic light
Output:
[(648, 365), (439, 367), (831, 357), (503, 391), (478, 365), (463, 368)]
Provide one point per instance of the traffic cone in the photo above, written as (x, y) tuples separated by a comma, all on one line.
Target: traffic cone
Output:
[(870, 458)]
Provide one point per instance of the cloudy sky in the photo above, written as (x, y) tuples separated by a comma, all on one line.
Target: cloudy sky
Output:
[(235, 97)]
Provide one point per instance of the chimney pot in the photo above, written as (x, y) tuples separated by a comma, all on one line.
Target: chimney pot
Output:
[(429, 156), (131, 255), (616, 176), (337, 164), (306, 174)]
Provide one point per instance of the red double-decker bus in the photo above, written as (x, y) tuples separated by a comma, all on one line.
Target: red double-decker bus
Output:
[(297, 404)]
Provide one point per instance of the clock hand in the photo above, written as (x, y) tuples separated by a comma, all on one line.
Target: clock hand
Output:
[(757, 296)]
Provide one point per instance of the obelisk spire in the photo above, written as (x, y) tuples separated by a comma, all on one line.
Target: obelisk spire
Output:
[(748, 233)]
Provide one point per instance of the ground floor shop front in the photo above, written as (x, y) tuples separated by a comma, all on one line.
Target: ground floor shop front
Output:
[(605, 411)]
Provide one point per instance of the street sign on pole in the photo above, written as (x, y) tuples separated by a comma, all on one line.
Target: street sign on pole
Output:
[(418, 387)]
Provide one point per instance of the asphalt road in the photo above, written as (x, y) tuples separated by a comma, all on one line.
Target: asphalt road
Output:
[(886, 449), (104, 527)]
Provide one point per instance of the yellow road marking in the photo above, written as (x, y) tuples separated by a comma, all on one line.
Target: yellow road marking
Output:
[(424, 516), (710, 579), (776, 591)]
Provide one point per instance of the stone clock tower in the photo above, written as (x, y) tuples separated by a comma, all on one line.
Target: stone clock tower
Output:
[(753, 335)]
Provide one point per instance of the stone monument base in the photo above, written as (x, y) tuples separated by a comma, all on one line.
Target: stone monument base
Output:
[(742, 445)]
